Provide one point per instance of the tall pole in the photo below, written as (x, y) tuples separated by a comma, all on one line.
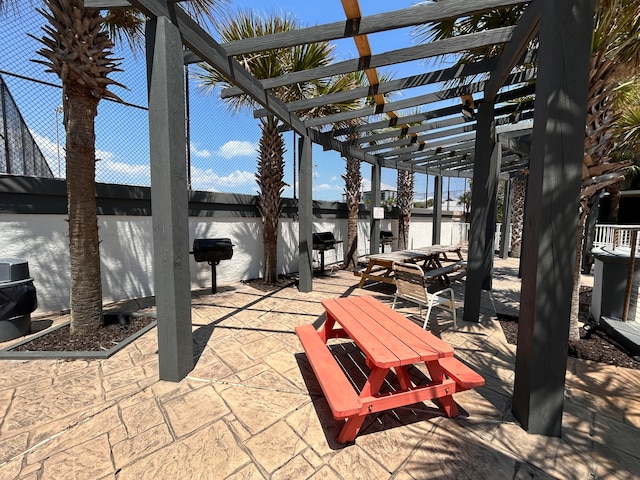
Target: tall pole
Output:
[(169, 198), (187, 124), (551, 227), (58, 110)]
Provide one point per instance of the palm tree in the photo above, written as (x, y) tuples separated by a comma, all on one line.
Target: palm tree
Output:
[(352, 185), (628, 141), (465, 200), (262, 65), (614, 60), (406, 182), (353, 179), (352, 176), (517, 212), (78, 49)]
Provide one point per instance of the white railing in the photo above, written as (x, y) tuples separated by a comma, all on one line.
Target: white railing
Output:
[(612, 235)]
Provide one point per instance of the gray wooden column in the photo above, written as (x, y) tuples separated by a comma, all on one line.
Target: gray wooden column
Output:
[(376, 177), (169, 201), (553, 195), (480, 210), (492, 198), (305, 215), (436, 234), (506, 220)]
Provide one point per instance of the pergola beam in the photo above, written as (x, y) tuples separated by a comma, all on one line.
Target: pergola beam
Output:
[(420, 117), (402, 104), (199, 41), (401, 132), (381, 22), (506, 118), (427, 78), (449, 143), (418, 52), (513, 145), (526, 29)]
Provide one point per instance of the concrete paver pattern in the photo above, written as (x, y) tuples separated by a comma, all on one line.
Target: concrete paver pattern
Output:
[(252, 409)]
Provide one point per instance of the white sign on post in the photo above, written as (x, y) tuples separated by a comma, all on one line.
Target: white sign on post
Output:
[(378, 213)]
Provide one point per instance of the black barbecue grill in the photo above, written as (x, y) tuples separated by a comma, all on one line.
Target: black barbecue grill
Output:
[(212, 250), (323, 241), (386, 238)]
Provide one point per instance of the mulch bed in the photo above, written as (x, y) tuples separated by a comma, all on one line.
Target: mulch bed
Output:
[(594, 345), (112, 333), (284, 281)]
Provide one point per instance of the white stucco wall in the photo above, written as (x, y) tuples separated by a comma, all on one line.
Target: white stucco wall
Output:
[(127, 255)]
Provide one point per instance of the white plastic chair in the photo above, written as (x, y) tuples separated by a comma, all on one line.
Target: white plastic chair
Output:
[(411, 286)]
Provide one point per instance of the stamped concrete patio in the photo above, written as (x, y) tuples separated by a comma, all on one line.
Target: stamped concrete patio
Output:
[(251, 408)]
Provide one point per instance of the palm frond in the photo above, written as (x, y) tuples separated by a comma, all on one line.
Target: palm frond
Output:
[(126, 26), (270, 63)]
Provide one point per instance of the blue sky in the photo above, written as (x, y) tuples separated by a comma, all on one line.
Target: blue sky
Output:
[(223, 145)]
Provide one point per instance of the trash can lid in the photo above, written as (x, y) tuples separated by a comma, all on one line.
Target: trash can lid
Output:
[(12, 269), (609, 254)]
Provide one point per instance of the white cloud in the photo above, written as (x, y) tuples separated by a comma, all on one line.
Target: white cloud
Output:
[(237, 148), (329, 187), (120, 168), (366, 185), (106, 167), (107, 156), (110, 171), (211, 181), (48, 148), (199, 153)]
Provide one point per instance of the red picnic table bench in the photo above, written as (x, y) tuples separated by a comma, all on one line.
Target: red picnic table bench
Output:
[(389, 341)]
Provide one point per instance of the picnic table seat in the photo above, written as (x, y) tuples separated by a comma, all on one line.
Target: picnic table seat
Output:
[(390, 344), (411, 286)]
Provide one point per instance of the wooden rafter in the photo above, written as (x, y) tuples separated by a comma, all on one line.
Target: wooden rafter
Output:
[(404, 144)]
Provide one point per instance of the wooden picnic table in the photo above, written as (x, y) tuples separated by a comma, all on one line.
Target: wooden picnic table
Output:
[(390, 342), (380, 265)]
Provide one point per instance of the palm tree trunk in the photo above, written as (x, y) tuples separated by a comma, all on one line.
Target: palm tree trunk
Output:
[(406, 182), (352, 183), (519, 191), (80, 109), (270, 179), (614, 203), (574, 330)]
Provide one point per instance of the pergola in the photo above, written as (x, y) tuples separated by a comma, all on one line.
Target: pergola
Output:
[(501, 139)]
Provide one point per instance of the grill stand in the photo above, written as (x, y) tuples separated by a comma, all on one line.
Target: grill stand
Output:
[(321, 262), (214, 282)]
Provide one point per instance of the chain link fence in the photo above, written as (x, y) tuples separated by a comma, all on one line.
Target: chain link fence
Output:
[(222, 153), (223, 145)]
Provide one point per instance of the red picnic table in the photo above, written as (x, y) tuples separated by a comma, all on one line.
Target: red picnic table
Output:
[(389, 342)]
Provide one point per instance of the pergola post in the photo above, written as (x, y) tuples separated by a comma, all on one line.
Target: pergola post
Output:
[(480, 212), (506, 220), (436, 233), (492, 197), (553, 196), (376, 178), (305, 214), (169, 198)]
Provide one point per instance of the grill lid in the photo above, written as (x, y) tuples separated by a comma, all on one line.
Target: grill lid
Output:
[(212, 249)]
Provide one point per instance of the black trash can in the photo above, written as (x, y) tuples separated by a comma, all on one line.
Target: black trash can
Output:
[(17, 298), (611, 269)]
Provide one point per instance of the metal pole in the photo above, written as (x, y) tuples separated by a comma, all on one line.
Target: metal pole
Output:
[(632, 262), (187, 124), (5, 133), (58, 110), (294, 164)]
